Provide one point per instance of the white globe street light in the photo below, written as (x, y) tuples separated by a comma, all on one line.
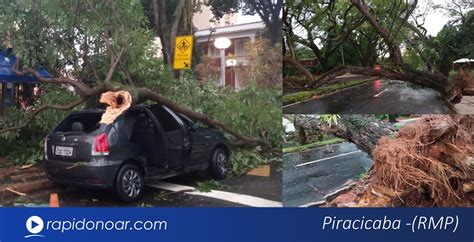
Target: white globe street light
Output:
[(222, 43)]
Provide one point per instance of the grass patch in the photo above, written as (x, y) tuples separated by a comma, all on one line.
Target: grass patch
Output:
[(313, 145), (363, 174), (305, 95)]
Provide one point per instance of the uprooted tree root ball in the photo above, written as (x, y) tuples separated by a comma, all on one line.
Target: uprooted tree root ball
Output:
[(428, 163)]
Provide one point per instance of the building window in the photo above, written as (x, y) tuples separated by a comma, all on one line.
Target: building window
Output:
[(213, 51), (240, 46)]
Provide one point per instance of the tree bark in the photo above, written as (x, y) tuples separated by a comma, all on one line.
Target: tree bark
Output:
[(300, 131), (269, 12), (167, 28)]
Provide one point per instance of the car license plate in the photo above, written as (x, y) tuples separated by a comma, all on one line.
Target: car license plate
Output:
[(63, 151)]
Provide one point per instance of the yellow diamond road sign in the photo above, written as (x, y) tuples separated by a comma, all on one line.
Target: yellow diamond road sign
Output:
[(183, 52)]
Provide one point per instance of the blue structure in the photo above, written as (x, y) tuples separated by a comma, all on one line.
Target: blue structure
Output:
[(8, 78)]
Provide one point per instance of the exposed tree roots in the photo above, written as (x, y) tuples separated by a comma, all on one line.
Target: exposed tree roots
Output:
[(429, 163)]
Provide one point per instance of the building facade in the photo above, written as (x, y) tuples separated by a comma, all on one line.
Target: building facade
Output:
[(239, 35)]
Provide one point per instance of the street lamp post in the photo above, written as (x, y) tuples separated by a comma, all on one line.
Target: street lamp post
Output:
[(222, 43)]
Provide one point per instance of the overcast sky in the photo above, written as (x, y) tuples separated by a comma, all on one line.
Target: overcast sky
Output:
[(248, 19), (435, 20)]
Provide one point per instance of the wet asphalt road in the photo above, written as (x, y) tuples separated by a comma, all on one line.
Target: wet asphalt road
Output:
[(397, 98), (258, 186), (308, 184)]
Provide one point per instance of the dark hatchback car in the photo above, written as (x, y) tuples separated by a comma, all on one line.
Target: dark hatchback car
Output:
[(144, 142)]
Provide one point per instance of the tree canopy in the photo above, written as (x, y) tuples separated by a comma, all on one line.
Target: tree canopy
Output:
[(326, 27), (390, 33)]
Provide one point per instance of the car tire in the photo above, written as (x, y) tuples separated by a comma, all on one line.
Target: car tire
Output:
[(130, 183), (219, 164)]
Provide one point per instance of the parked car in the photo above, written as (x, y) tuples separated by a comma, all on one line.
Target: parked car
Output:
[(144, 142)]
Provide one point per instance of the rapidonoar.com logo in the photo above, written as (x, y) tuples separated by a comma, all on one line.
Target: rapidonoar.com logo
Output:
[(34, 225)]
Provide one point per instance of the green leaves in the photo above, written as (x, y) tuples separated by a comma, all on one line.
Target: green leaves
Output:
[(244, 160), (208, 186), (71, 36), (26, 145), (330, 119)]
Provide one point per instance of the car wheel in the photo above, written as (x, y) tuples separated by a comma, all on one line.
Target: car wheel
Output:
[(130, 183), (219, 166)]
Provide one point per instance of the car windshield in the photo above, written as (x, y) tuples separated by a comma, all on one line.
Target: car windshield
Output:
[(81, 122)]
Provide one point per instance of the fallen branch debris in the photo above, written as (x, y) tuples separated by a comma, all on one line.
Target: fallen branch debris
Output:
[(24, 167), (15, 191)]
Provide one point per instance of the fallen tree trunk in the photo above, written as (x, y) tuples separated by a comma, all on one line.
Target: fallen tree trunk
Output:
[(451, 89), (362, 130), (139, 95)]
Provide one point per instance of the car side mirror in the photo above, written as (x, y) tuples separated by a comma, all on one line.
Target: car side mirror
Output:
[(194, 127)]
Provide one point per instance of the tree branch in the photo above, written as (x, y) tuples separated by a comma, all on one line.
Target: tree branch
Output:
[(40, 109), (395, 52), (147, 94), (437, 82), (111, 71), (81, 86)]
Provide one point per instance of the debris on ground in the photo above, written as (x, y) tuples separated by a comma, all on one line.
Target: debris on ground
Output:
[(14, 182), (27, 166), (117, 103), (9, 189), (260, 171), (429, 163)]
